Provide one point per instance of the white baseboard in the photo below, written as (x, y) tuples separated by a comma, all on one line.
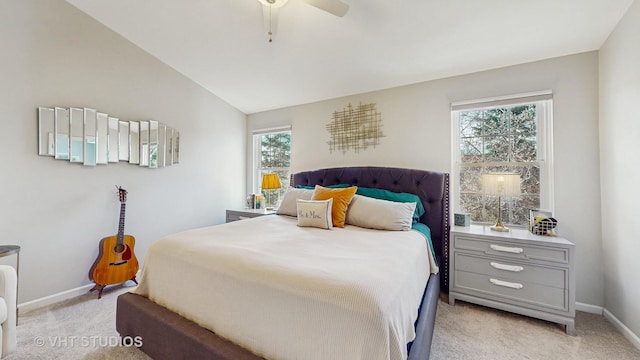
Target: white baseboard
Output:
[(51, 299), (588, 308), (61, 296), (635, 340)]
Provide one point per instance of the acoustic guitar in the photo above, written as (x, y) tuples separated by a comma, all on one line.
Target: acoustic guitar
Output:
[(116, 262)]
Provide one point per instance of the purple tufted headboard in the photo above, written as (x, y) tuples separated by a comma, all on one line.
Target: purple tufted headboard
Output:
[(432, 187)]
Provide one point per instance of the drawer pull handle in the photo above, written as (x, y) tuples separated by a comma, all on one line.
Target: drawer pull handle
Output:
[(513, 268), (506, 284), (507, 249), (240, 217)]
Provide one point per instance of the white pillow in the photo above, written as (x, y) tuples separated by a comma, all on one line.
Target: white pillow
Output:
[(315, 213), (380, 214), (288, 204)]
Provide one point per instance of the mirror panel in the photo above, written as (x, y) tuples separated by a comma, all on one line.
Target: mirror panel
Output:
[(46, 131), (76, 119), (153, 144), (102, 138), (176, 147), (123, 140), (168, 159), (134, 142), (162, 140), (113, 140), (61, 125), (90, 134), (144, 143)]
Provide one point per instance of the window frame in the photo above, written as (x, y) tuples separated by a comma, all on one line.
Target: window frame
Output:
[(257, 156), (544, 142)]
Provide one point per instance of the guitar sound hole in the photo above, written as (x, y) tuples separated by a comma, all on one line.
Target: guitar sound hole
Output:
[(118, 248)]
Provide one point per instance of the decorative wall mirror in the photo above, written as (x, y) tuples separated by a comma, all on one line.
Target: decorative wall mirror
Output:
[(102, 138), (113, 140), (134, 142), (90, 137), (46, 131), (123, 140), (76, 119), (84, 135), (144, 143), (63, 131)]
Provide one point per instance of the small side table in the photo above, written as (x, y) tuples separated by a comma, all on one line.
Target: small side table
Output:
[(8, 250), (241, 214)]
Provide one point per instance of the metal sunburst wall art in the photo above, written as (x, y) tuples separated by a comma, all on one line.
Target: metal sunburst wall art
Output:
[(355, 128)]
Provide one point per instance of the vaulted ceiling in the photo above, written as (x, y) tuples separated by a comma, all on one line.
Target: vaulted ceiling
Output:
[(223, 46)]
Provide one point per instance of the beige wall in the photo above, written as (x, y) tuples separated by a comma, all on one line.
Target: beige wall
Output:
[(619, 170), (417, 128), (55, 55)]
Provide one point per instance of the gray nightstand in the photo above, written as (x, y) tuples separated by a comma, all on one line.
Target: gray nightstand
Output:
[(241, 214), (514, 271)]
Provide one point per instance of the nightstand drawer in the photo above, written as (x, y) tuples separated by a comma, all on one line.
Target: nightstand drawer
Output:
[(512, 250), (523, 292), (234, 216), (512, 271)]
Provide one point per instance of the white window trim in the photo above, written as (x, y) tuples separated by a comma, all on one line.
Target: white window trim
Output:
[(257, 146), (544, 141)]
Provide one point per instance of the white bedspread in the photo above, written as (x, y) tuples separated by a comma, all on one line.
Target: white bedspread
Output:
[(287, 292)]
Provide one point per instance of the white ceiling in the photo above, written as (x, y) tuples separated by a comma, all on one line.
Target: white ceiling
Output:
[(222, 44)]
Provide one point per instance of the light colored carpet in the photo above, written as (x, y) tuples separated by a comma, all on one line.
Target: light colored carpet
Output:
[(79, 328), (84, 328), (468, 331)]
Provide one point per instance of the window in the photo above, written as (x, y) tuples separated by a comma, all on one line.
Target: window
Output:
[(502, 135), (272, 154)]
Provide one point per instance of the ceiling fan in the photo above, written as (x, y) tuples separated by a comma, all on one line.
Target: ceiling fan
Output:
[(270, 10)]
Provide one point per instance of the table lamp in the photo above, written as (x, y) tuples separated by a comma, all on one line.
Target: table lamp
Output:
[(270, 182), (501, 184)]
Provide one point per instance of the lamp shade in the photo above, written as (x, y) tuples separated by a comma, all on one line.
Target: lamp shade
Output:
[(270, 181), (501, 184)]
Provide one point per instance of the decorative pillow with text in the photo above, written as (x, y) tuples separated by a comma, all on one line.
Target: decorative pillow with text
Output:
[(315, 213)]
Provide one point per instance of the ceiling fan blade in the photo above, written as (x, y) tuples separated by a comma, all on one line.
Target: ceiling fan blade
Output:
[(335, 7)]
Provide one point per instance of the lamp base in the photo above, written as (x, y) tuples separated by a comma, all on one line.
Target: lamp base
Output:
[(500, 228)]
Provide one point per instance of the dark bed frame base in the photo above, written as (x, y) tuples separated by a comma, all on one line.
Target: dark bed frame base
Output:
[(167, 335)]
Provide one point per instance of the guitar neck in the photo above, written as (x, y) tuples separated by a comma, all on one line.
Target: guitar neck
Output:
[(121, 225)]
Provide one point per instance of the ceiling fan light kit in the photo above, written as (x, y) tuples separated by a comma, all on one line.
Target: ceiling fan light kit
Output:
[(334, 7), (273, 3)]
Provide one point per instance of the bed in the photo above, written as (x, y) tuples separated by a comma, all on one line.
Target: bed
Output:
[(168, 334)]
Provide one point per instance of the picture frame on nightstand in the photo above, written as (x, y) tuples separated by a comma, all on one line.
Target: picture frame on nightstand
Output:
[(536, 227), (461, 219)]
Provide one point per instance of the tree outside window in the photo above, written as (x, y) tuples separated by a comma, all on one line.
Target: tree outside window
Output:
[(502, 139)]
